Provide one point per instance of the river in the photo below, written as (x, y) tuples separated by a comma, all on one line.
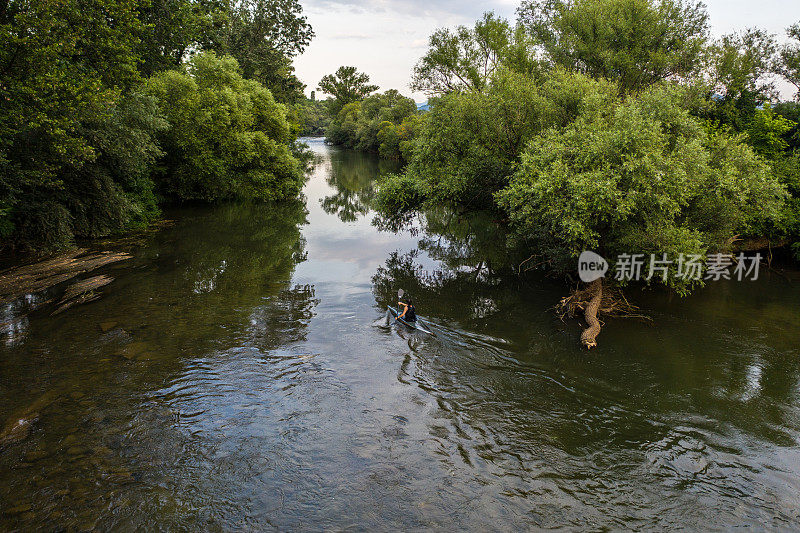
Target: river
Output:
[(238, 374)]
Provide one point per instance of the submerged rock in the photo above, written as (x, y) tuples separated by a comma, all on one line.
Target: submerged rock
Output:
[(134, 349), (17, 430), (107, 326)]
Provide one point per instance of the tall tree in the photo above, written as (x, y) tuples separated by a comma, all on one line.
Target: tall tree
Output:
[(740, 67), (788, 64), (466, 58), (633, 42), (346, 85), (263, 36), (174, 28), (741, 63)]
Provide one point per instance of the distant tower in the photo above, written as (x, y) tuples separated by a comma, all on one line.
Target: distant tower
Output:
[(313, 96)]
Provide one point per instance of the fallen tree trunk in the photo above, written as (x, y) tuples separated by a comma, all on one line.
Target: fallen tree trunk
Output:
[(28, 279), (593, 301), (589, 335)]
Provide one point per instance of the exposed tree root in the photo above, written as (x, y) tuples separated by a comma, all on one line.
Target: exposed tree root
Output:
[(594, 300)]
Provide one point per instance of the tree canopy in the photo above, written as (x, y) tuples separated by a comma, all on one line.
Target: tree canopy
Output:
[(346, 85), (789, 62), (465, 58), (77, 135), (638, 176), (228, 137), (60, 83), (633, 42), (381, 123), (263, 36)]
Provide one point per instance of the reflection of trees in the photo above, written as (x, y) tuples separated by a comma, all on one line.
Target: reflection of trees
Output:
[(202, 302), (473, 255), (473, 242), (353, 175), (220, 265), (661, 412)]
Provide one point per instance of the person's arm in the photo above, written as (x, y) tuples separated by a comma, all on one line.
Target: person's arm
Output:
[(405, 309)]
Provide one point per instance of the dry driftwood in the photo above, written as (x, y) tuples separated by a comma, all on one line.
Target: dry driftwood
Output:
[(82, 292), (27, 279)]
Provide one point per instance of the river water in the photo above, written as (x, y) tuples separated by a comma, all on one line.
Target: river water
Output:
[(238, 374)]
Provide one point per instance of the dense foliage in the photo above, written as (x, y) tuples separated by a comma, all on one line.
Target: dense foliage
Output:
[(313, 117), (465, 58), (228, 138), (382, 123), (263, 36), (470, 142), (80, 134), (640, 175), (61, 97), (625, 130), (633, 42)]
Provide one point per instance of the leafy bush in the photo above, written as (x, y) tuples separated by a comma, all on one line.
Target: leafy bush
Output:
[(638, 176), (470, 143), (399, 194), (228, 138), (377, 124), (65, 65)]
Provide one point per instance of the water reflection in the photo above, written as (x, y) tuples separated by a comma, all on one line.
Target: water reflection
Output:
[(695, 410), (127, 399), (353, 176), (231, 379)]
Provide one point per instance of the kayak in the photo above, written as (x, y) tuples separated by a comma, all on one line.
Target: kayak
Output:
[(413, 325)]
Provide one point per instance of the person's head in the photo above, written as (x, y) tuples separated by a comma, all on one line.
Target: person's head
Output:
[(410, 301)]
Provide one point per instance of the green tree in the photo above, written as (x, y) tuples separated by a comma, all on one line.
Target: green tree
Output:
[(766, 132), (741, 64), (788, 64), (633, 42), (64, 67), (264, 36), (638, 176), (313, 117), (228, 138), (470, 143), (346, 85), (465, 58), (377, 124), (174, 28)]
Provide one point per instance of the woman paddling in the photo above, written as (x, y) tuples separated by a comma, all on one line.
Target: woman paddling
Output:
[(409, 313)]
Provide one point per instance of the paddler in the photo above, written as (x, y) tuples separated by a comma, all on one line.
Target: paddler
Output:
[(409, 313)]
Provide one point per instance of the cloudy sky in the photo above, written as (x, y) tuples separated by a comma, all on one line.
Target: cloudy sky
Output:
[(385, 38)]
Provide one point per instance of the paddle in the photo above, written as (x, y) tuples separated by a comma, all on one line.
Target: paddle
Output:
[(400, 293)]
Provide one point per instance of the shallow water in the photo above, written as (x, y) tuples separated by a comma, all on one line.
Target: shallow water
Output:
[(237, 375)]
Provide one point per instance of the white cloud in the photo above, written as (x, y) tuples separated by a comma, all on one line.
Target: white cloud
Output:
[(385, 38)]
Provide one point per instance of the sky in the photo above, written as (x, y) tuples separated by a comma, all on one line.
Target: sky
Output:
[(385, 38)]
